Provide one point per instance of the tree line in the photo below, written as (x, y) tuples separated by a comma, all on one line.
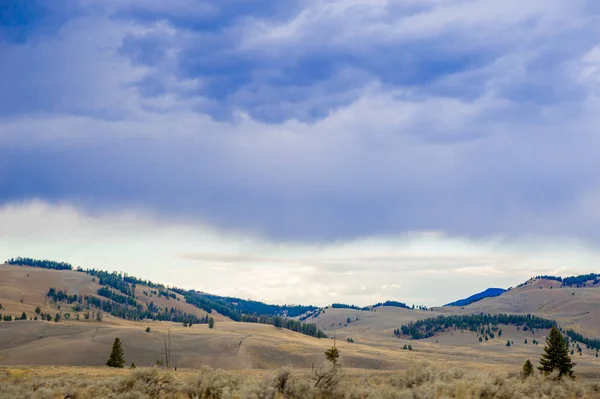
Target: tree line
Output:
[(426, 328), (44, 264)]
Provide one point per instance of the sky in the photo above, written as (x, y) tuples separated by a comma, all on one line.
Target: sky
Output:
[(304, 151)]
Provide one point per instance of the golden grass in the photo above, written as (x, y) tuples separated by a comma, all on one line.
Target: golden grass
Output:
[(421, 381)]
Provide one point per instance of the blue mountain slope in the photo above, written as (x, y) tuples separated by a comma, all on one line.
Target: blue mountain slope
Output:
[(489, 293)]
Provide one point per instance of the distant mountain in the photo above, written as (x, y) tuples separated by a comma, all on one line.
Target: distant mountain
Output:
[(489, 293)]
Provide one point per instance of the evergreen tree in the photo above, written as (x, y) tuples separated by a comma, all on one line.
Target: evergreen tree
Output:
[(556, 355), (116, 355), (211, 323), (528, 369), (148, 329), (332, 354)]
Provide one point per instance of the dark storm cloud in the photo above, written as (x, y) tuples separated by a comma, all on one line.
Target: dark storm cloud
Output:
[(315, 121)]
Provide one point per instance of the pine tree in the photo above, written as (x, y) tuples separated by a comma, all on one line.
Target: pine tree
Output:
[(528, 369), (332, 354), (211, 323), (556, 355), (116, 355)]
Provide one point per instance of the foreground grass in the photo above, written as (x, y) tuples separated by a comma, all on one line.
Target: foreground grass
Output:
[(418, 382)]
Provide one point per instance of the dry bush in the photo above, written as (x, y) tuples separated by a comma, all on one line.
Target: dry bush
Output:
[(421, 381)]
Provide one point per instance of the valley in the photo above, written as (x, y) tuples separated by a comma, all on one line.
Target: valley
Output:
[(365, 338)]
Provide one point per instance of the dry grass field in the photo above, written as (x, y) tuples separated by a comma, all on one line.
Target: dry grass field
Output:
[(420, 381), (45, 352)]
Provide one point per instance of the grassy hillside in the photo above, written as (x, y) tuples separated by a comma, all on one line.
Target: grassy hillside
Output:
[(572, 306), (132, 298), (365, 336)]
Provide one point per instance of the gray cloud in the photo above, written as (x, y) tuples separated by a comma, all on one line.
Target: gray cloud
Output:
[(504, 142), (422, 268)]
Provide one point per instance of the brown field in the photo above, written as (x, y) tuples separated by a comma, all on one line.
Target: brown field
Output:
[(248, 346), (419, 381)]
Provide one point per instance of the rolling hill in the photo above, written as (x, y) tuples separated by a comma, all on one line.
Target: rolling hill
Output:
[(368, 337), (489, 293)]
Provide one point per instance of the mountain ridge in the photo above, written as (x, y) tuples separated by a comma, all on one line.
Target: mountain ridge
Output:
[(488, 293)]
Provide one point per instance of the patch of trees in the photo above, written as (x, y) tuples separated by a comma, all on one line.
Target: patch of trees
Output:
[(577, 281), (377, 305), (234, 308), (60, 296), (312, 313), (588, 342), (118, 298), (346, 306), (138, 281), (129, 312), (298, 326), (581, 280), (429, 327), (123, 307), (41, 263), (114, 280), (395, 304), (254, 312)]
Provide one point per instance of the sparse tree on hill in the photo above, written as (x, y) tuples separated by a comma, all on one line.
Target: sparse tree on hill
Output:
[(38, 310), (556, 355), (57, 318), (148, 329), (116, 355), (24, 316), (211, 322), (527, 369)]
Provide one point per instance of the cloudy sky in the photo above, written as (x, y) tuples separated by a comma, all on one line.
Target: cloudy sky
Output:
[(304, 151)]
